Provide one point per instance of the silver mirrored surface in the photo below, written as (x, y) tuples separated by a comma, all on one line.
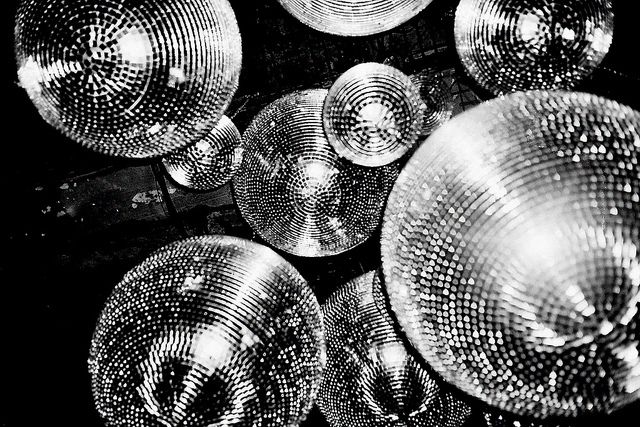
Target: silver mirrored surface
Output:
[(210, 162), (370, 378), (510, 249), (513, 45), (296, 192), (129, 78), (372, 114), (354, 17), (212, 330)]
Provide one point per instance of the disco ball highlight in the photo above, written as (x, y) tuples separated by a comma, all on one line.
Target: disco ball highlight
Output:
[(372, 114), (129, 78), (509, 46), (510, 250), (354, 17), (296, 192), (210, 162), (212, 330), (370, 379), (437, 100)]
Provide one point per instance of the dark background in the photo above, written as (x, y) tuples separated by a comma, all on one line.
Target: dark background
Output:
[(74, 221)]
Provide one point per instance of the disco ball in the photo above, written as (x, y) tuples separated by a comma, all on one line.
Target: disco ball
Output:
[(372, 114), (212, 330), (294, 190), (512, 45), (129, 78), (354, 17), (370, 379), (437, 100), (210, 162), (510, 250), (498, 419)]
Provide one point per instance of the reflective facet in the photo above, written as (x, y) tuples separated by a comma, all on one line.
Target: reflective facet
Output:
[(437, 100), (354, 17), (512, 45), (210, 162), (511, 254), (296, 192), (372, 114), (212, 330), (370, 378), (129, 78)]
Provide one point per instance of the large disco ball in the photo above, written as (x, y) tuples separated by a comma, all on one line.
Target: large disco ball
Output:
[(437, 100), (372, 114), (296, 192), (354, 17), (129, 78), (512, 45), (211, 330), (370, 378), (511, 253), (210, 162)]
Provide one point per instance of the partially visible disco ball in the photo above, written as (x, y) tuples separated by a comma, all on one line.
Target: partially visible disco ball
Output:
[(511, 253), (210, 162), (370, 379), (294, 190), (437, 100), (501, 419), (372, 114), (513, 45), (129, 78), (354, 17), (212, 330)]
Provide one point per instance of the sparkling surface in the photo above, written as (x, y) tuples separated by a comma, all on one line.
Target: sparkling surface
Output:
[(130, 78), (354, 17), (370, 379), (437, 100), (372, 114), (210, 162), (296, 192), (512, 45), (510, 249), (212, 330)]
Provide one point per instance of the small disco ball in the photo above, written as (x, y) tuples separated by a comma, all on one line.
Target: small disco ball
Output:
[(370, 379), (210, 162), (510, 249), (372, 114), (354, 17), (296, 192), (212, 330), (129, 78), (509, 45), (437, 100)]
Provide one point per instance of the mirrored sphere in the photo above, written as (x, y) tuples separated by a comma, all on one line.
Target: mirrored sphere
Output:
[(510, 249), (354, 17), (370, 378), (437, 100), (372, 114), (210, 162), (513, 45), (296, 192), (129, 78), (211, 330)]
